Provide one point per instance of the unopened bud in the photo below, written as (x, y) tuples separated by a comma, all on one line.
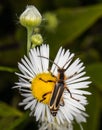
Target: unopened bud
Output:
[(52, 21), (36, 39), (30, 17)]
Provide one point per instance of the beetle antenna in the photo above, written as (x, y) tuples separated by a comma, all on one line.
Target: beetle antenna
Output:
[(49, 60), (66, 63)]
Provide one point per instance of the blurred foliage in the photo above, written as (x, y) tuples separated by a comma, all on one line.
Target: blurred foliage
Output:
[(79, 29)]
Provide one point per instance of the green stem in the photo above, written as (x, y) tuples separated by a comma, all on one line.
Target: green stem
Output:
[(29, 33)]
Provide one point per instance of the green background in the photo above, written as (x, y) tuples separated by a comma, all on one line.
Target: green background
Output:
[(79, 29)]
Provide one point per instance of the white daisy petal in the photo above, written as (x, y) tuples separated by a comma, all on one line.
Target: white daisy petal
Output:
[(35, 60), (33, 105), (78, 80), (15, 86), (79, 85), (25, 70), (24, 76), (29, 105), (77, 104), (48, 114), (28, 99), (76, 76), (64, 113), (26, 94), (81, 92), (60, 116), (30, 66), (74, 110), (81, 117), (72, 68), (27, 65), (26, 85), (81, 69), (45, 62), (23, 80), (39, 109), (22, 103), (36, 113), (26, 90), (58, 120), (43, 113), (54, 67)]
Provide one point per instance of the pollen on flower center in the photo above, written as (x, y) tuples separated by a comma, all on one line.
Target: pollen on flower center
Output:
[(42, 86)]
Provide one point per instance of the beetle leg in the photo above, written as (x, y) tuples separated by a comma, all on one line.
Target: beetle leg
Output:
[(72, 75), (71, 94)]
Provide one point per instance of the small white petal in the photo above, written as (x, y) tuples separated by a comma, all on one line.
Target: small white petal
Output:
[(58, 120), (30, 66), (28, 99), (26, 85), (33, 105), (43, 113), (54, 67), (81, 117), (28, 105), (26, 94), (45, 62), (72, 108), (15, 87), (81, 69), (22, 103), (72, 68), (36, 111), (76, 104), (80, 92), (24, 90), (78, 80), (40, 111), (79, 85), (76, 76), (25, 70), (32, 60), (48, 114), (36, 61), (60, 116), (24, 76), (64, 113)]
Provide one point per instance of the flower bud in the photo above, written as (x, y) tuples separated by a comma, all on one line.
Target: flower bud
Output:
[(30, 17), (36, 39), (51, 21)]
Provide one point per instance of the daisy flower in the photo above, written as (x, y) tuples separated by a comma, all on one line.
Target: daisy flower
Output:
[(37, 85)]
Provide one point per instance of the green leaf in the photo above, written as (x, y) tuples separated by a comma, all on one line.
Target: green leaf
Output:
[(19, 122), (6, 110), (8, 69), (94, 110), (9, 117), (95, 72), (72, 23)]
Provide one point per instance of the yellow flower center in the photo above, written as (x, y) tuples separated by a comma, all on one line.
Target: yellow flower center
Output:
[(42, 86)]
